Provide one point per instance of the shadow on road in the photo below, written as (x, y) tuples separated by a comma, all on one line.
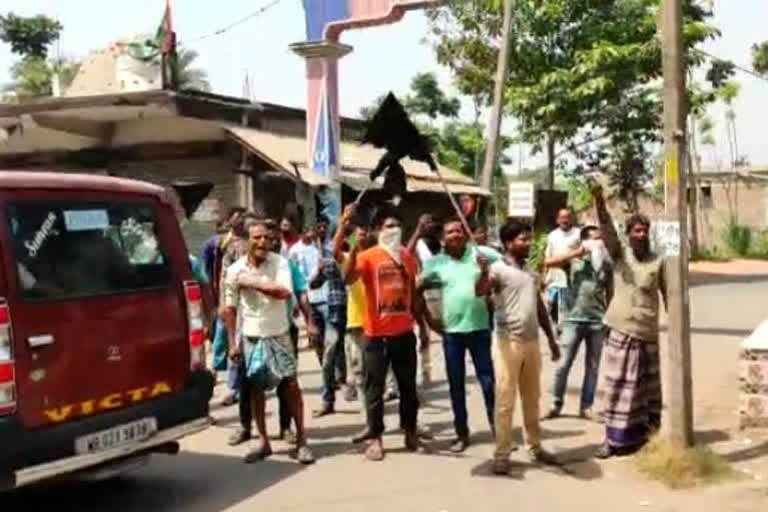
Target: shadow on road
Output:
[(754, 452), (576, 463), (192, 482), (711, 436), (718, 331)]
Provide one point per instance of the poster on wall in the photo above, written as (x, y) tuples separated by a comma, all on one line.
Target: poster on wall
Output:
[(665, 237), (522, 199)]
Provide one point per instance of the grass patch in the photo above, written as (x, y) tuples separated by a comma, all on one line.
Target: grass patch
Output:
[(709, 254), (679, 467)]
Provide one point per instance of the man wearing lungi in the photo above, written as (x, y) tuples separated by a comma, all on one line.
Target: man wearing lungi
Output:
[(257, 287), (629, 389)]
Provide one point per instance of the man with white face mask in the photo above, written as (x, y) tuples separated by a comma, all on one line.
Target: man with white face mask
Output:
[(388, 273), (586, 303)]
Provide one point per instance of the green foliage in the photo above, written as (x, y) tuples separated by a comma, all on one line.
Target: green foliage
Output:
[(32, 77), (737, 237), (535, 261), (728, 92), (760, 57), (29, 36), (429, 99), (708, 254), (759, 247), (188, 76), (573, 64), (579, 193)]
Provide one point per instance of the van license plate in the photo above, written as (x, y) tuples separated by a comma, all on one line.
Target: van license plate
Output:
[(121, 435)]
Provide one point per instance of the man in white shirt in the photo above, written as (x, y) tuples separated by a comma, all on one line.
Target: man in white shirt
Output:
[(564, 239), (258, 286)]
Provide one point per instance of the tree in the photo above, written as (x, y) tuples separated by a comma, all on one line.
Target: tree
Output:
[(760, 57), (190, 77), (32, 77), (428, 98), (575, 65), (29, 36), (727, 93)]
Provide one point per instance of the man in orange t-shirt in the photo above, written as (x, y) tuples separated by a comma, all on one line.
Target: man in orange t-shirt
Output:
[(388, 272)]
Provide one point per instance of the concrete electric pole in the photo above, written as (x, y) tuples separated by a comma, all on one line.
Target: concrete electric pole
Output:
[(494, 123), (679, 412)]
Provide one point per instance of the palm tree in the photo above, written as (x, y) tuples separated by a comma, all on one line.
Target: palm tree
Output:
[(189, 77), (727, 94)]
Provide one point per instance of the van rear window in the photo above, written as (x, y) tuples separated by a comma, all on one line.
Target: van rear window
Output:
[(65, 250)]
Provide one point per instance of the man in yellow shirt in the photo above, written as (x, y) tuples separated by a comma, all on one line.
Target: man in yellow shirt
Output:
[(355, 338)]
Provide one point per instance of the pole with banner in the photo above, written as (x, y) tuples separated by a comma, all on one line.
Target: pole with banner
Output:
[(325, 21), (679, 416)]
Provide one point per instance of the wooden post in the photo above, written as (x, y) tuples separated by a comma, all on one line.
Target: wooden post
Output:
[(494, 122), (679, 411)]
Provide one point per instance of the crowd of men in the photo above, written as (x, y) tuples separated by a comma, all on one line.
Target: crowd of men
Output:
[(370, 302)]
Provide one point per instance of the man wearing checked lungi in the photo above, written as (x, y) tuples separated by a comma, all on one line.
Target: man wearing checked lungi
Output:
[(629, 386)]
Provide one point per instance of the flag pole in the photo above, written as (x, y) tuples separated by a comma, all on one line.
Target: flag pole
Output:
[(456, 206)]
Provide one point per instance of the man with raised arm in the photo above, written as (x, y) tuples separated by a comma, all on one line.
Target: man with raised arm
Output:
[(629, 385)]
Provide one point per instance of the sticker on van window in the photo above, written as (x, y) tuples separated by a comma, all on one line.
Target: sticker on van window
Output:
[(46, 230), (85, 220)]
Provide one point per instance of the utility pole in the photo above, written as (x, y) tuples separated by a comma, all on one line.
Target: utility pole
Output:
[(494, 123), (679, 417)]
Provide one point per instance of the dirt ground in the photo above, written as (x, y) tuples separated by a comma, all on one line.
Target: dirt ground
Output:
[(210, 476)]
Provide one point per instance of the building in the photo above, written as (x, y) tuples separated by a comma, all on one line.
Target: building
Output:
[(723, 196), (253, 154)]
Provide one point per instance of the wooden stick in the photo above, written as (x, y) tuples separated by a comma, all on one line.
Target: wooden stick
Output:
[(456, 207)]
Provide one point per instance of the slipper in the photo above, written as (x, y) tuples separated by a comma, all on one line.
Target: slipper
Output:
[(261, 452), (374, 452), (304, 455), (325, 410), (289, 436)]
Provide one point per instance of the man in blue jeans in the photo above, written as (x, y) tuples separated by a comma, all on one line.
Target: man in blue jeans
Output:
[(330, 344), (586, 303), (464, 323)]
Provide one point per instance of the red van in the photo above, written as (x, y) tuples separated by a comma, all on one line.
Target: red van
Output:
[(102, 357)]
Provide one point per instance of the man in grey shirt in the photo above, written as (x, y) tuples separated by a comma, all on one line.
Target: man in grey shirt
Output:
[(519, 313)]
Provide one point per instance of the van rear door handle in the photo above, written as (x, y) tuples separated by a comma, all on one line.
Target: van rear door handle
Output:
[(40, 340)]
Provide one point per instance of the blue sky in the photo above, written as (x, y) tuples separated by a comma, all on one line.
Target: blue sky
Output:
[(385, 58)]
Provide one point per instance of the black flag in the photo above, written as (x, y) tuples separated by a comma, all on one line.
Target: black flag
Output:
[(392, 130)]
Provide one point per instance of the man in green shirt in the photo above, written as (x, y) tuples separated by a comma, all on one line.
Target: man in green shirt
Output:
[(586, 300), (464, 323)]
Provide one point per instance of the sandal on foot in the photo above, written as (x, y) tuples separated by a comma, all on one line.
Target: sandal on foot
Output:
[(374, 452), (324, 410), (501, 466), (304, 455), (289, 436), (239, 437), (260, 452), (411, 441), (605, 451), (460, 444)]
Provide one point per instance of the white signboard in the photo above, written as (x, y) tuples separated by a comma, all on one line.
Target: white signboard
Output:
[(521, 199), (665, 237)]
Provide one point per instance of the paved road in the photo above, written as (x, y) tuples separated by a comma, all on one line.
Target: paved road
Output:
[(209, 476)]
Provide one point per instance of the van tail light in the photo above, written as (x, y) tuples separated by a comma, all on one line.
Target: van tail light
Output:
[(7, 366), (194, 297)]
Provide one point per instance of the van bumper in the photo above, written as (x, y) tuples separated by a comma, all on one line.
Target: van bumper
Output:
[(28, 456)]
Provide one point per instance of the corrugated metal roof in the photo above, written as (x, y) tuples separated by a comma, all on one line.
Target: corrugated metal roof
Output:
[(288, 154)]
